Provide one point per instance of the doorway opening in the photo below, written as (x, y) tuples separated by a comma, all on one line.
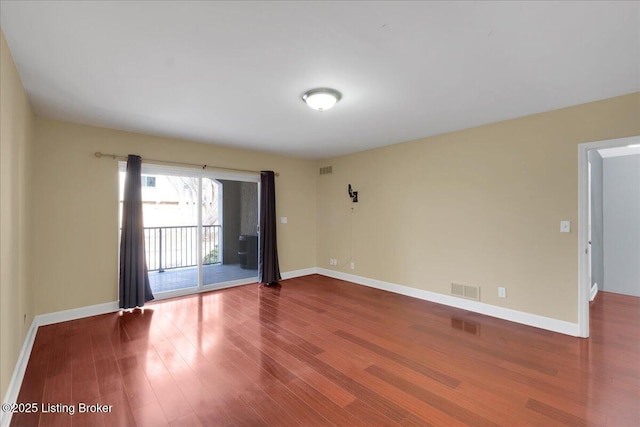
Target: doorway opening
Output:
[(590, 273), (200, 227)]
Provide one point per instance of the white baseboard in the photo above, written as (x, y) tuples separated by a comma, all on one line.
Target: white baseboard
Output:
[(522, 317), (76, 313), (18, 374), (299, 273), (594, 292)]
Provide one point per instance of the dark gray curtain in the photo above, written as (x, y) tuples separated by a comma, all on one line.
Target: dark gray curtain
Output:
[(134, 279), (268, 268)]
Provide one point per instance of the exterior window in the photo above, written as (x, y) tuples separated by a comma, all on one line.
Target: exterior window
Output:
[(149, 181)]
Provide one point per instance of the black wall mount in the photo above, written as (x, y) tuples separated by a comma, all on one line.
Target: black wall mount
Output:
[(353, 195)]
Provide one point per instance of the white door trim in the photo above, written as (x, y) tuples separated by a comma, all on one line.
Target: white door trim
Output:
[(584, 287)]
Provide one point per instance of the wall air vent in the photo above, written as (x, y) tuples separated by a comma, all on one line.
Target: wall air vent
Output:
[(326, 170), (465, 291)]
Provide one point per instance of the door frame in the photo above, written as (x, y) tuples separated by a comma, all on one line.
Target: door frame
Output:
[(584, 254), (149, 168)]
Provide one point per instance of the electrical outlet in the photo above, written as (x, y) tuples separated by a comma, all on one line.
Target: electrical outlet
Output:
[(330, 261), (353, 266), (502, 292)]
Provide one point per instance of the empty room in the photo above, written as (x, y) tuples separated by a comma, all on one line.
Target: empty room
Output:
[(316, 213)]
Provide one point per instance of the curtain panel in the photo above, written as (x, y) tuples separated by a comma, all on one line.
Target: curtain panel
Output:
[(135, 289), (268, 267)]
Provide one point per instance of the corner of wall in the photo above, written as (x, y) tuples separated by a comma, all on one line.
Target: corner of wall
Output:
[(17, 124), (471, 207)]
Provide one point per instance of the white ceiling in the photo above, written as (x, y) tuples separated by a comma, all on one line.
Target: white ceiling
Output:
[(232, 73)]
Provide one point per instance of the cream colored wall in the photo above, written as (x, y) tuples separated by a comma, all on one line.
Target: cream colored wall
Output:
[(76, 206), (16, 300), (481, 207)]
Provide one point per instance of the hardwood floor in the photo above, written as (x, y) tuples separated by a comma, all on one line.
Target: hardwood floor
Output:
[(318, 351)]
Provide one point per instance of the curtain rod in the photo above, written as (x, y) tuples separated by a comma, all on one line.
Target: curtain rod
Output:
[(98, 154)]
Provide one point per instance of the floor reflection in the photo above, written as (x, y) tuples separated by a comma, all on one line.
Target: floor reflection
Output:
[(465, 325), (133, 328), (268, 314)]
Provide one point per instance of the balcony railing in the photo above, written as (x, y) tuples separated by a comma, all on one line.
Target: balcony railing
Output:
[(176, 247)]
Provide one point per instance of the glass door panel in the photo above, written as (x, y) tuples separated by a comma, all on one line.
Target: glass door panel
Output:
[(211, 233), (229, 230), (170, 211)]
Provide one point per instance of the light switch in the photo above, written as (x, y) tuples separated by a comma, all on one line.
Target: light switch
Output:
[(283, 220), (565, 226)]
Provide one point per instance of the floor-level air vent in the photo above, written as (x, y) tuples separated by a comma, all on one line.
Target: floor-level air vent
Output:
[(325, 170), (465, 291)]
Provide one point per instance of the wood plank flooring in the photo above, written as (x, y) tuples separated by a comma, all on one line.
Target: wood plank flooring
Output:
[(318, 351)]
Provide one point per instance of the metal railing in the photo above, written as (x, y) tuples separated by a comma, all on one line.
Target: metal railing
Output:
[(176, 247)]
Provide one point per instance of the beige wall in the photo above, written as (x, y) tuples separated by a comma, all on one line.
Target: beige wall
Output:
[(16, 300), (481, 207), (76, 206)]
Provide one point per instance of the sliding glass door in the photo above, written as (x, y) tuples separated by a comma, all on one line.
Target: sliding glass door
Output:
[(234, 227), (200, 228)]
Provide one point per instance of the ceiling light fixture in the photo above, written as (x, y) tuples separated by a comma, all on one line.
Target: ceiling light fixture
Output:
[(321, 98)]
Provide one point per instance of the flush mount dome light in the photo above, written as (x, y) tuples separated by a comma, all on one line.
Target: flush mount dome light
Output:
[(322, 98)]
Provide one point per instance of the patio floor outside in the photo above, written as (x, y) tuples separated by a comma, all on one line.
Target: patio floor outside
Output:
[(182, 278)]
